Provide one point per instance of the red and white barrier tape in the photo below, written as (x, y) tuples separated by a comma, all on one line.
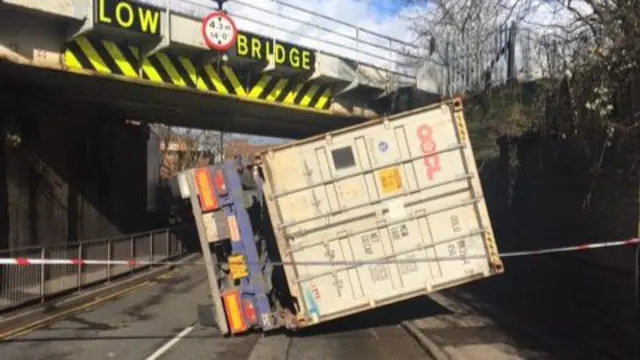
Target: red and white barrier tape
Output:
[(133, 262), (590, 246)]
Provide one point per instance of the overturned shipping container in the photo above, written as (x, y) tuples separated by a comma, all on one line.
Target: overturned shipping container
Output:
[(340, 223), (400, 188)]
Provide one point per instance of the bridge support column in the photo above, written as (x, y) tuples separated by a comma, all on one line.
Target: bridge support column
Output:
[(4, 188)]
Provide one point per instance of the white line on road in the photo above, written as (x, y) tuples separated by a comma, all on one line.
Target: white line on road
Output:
[(171, 343)]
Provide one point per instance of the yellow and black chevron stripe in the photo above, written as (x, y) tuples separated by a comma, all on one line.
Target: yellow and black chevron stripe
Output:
[(108, 57), (102, 56), (282, 90)]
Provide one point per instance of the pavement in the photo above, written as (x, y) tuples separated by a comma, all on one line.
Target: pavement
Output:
[(461, 332), (574, 308), (542, 307)]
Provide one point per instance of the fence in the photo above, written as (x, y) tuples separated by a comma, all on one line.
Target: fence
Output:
[(26, 285), (472, 62)]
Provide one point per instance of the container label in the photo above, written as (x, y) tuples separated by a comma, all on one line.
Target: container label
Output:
[(210, 227), (312, 305), (383, 146), (408, 267), (379, 273), (396, 209), (390, 180), (234, 233), (237, 267)]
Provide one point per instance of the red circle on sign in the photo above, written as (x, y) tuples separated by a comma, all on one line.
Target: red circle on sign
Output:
[(213, 45)]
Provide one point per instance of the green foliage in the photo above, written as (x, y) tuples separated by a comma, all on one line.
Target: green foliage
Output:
[(11, 139), (505, 111)]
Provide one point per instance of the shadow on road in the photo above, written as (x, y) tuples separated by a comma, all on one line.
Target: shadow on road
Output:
[(562, 302), (388, 315)]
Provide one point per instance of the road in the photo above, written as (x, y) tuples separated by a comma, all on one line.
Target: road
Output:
[(158, 320)]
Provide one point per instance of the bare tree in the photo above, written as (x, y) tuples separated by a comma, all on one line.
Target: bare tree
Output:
[(185, 148), (586, 50)]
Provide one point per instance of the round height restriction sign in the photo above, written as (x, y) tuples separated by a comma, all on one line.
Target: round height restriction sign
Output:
[(219, 31)]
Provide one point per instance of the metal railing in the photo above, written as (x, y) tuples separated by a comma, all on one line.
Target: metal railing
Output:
[(26, 285), (534, 55), (282, 21)]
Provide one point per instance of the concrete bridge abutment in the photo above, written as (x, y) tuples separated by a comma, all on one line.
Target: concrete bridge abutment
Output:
[(70, 170)]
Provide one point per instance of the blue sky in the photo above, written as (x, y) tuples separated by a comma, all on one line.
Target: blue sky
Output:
[(386, 8)]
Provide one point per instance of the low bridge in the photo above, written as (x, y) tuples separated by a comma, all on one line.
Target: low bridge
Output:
[(152, 63)]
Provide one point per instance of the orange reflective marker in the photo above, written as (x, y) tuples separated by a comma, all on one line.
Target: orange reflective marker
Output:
[(233, 311), (207, 197)]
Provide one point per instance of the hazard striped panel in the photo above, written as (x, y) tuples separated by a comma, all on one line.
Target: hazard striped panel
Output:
[(107, 57), (102, 56), (282, 90)]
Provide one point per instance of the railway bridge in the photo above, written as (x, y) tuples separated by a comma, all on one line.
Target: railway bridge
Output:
[(152, 63)]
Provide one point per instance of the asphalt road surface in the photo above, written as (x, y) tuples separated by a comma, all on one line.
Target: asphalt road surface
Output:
[(159, 321)]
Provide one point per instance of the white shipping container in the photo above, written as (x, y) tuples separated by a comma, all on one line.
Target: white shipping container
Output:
[(403, 187)]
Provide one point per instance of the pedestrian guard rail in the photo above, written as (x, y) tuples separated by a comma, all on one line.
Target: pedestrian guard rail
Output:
[(26, 285)]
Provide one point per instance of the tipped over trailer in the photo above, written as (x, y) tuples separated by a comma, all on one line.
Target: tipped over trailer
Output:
[(343, 222)]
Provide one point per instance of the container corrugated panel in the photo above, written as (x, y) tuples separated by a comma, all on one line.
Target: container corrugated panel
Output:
[(405, 187)]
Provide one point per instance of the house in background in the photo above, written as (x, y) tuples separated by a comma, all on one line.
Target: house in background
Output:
[(242, 147), (169, 153)]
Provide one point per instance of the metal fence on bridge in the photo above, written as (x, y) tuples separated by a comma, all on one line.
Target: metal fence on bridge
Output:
[(510, 52), (282, 21), (461, 63), (24, 285)]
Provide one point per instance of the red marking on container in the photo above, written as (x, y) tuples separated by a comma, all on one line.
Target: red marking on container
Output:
[(428, 147)]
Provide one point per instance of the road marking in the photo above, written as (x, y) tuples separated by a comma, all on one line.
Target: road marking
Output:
[(171, 343), (374, 334), (165, 276), (25, 329)]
